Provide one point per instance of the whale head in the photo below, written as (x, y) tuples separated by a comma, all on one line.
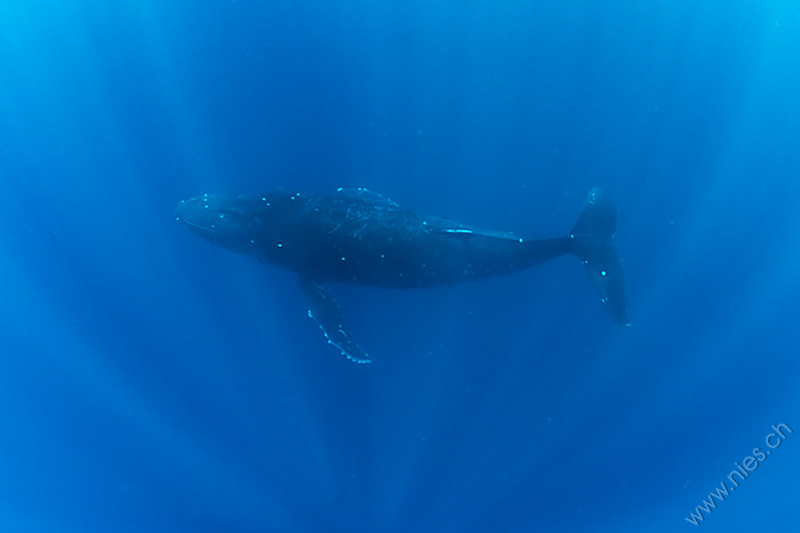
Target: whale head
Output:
[(232, 222)]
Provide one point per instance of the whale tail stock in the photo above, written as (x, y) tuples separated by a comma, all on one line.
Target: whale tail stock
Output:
[(592, 239)]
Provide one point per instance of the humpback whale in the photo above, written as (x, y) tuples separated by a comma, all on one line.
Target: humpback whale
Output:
[(357, 236)]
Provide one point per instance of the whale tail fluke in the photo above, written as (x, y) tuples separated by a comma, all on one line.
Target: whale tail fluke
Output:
[(593, 244)]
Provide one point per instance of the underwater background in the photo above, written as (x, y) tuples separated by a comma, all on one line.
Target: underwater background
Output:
[(152, 382)]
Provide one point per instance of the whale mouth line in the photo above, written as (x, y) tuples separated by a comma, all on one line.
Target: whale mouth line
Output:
[(199, 226)]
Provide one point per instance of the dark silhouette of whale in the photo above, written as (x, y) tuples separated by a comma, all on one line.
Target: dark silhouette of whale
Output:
[(357, 236)]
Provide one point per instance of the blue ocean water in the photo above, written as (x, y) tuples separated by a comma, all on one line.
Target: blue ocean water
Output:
[(152, 382)]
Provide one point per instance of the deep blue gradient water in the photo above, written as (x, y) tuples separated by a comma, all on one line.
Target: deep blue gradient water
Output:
[(152, 382)]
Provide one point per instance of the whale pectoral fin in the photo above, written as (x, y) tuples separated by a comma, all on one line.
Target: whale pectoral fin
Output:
[(323, 309)]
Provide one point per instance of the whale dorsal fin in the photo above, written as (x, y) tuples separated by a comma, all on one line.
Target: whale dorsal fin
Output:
[(466, 232), (323, 309), (366, 195)]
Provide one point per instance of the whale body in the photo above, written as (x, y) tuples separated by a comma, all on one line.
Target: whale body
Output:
[(357, 236)]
